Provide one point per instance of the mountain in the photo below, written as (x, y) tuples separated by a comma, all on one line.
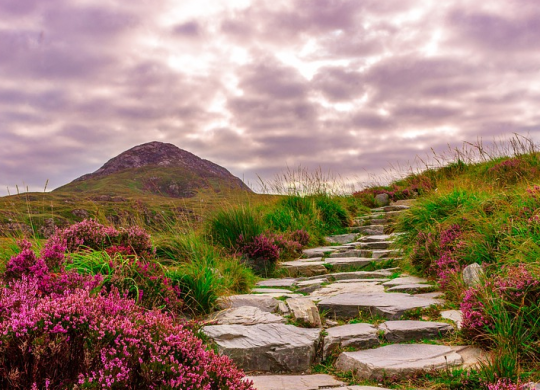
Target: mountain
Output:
[(155, 168)]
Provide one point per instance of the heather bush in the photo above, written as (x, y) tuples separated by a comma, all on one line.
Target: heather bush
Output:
[(262, 253), (105, 341), (90, 234)]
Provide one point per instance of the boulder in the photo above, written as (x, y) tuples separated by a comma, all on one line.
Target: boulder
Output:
[(398, 360), (382, 200), (267, 347), (453, 315), (305, 311), (472, 274)]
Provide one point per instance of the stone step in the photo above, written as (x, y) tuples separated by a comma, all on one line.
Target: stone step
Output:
[(285, 282), (267, 347), (396, 207), (453, 315), (269, 290), (263, 302), (362, 274), (363, 280), (321, 251), (368, 230), (358, 336), (390, 306), (402, 331), (304, 268), (347, 262), (375, 238), (375, 245), (404, 280), (398, 360), (413, 288), (303, 382), (341, 238), (304, 311), (245, 315), (384, 253)]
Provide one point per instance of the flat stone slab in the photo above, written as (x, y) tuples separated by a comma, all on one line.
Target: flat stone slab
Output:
[(299, 267), (412, 288), (339, 289), (369, 230), (285, 282), (265, 303), (359, 336), (398, 360), (305, 311), (246, 315), (320, 251), (376, 238), (266, 347), (344, 262), (390, 306), (453, 315), (384, 253), (373, 280), (375, 245), (405, 280), (401, 331), (396, 207), (341, 238), (349, 253), (361, 274), (294, 382), (271, 290)]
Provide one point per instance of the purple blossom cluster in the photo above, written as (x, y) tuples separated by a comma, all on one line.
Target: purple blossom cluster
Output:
[(262, 248), (474, 315), (102, 341), (90, 234)]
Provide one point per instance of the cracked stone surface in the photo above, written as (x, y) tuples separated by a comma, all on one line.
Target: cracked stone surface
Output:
[(265, 303), (339, 289), (266, 347), (294, 382), (285, 282), (398, 359)]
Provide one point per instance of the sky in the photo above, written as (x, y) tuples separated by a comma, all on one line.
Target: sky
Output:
[(350, 86)]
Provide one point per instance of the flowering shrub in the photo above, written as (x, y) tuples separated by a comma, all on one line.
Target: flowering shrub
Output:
[(507, 384), (409, 188), (90, 234), (474, 313), (262, 253), (511, 170), (100, 342), (300, 236)]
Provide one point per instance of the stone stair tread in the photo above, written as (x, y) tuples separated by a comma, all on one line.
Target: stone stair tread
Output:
[(362, 274), (359, 336), (363, 280), (453, 315), (245, 315), (375, 245), (284, 282), (268, 290), (295, 382), (398, 360), (263, 302), (266, 347), (407, 330), (405, 280), (338, 289), (341, 238), (391, 306), (411, 288), (376, 238)]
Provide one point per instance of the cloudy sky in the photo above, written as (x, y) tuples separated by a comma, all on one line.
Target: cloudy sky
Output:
[(255, 86)]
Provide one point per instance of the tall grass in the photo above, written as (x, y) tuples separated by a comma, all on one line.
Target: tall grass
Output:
[(226, 226)]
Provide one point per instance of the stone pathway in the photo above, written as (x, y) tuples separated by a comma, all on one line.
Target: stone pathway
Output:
[(278, 332)]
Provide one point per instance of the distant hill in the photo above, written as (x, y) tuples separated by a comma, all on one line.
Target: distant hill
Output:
[(155, 168)]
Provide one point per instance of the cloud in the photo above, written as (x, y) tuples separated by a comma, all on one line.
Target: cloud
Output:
[(256, 85)]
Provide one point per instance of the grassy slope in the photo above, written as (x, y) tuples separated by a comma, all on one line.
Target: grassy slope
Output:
[(486, 213)]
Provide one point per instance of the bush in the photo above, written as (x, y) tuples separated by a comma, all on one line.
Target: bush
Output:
[(100, 342), (262, 252)]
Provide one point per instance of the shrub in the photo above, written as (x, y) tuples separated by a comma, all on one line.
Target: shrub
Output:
[(100, 342), (262, 252), (300, 236)]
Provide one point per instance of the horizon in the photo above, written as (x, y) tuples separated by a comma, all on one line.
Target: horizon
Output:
[(256, 87)]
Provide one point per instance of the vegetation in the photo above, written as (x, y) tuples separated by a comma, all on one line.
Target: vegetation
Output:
[(484, 208)]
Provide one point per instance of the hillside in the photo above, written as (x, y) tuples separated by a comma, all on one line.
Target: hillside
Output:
[(149, 184)]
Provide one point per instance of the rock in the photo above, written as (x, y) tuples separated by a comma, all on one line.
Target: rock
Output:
[(390, 306), (384, 254), (374, 280), (347, 262), (321, 251), (285, 282), (375, 245), (263, 302), (471, 356), (369, 230), (271, 291), (396, 207), (266, 347), (382, 200), (376, 238), (412, 288), (360, 274), (294, 382), (400, 331), (338, 289), (246, 315), (305, 311), (299, 267), (405, 280), (453, 315), (80, 213), (472, 274), (359, 336), (308, 286), (350, 253), (398, 360), (341, 238)]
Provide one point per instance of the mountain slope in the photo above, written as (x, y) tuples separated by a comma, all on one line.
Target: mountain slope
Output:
[(156, 168)]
